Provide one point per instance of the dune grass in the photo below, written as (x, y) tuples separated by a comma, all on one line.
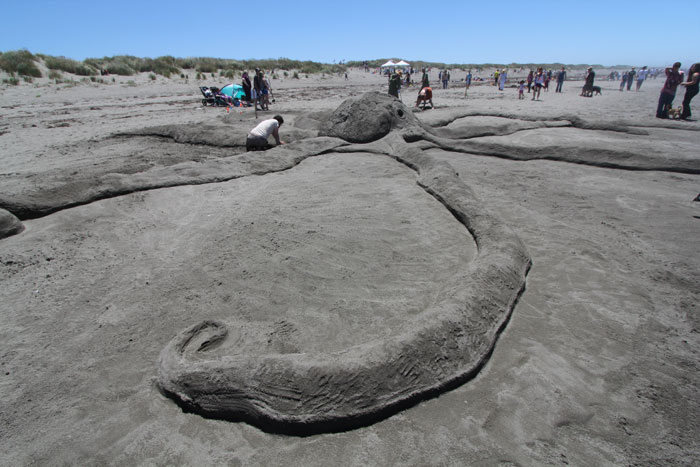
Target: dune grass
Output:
[(21, 62), (67, 65)]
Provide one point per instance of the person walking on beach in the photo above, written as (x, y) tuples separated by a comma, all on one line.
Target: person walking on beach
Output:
[(561, 77), (467, 82), (530, 78), (521, 89), (539, 84), (502, 79), (630, 78), (257, 137), (265, 89), (691, 89), (588, 84), (256, 93), (641, 76), (623, 81), (495, 77), (668, 92)]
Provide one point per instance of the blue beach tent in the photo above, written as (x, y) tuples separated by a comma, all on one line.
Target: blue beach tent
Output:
[(234, 90)]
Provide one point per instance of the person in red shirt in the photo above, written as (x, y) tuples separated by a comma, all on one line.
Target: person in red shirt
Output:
[(668, 92), (424, 96)]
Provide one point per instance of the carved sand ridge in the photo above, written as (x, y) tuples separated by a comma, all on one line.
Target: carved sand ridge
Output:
[(179, 154), (443, 347)]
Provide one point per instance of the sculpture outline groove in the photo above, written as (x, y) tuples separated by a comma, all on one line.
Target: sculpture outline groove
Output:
[(445, 345)]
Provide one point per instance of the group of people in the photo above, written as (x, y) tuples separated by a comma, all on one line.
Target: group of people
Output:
[(536, 82), (540, 80), (649, 73), (674, 78), (259, 91), (425, 93), (627, 78)]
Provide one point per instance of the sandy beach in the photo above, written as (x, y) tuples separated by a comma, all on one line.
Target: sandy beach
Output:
[(143, 215)]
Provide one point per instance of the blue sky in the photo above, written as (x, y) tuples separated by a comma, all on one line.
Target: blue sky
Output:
[(595, 32)]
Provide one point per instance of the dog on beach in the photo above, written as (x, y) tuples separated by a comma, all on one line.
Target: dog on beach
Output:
[(594, 90), (675, 112)]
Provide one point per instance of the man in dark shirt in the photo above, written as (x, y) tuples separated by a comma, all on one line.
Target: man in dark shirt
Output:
[(561, 77)]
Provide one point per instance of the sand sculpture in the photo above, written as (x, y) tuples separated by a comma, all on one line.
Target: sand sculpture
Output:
[(443, 346), (9, 224)]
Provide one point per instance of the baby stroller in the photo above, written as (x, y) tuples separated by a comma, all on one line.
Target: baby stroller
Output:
[(212, 96)]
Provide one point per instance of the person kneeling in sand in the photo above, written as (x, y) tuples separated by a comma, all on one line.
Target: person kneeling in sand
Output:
[(425, 95), (257, 138)]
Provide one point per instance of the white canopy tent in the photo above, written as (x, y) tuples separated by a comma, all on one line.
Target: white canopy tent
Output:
[(391, 66), (399, 64)]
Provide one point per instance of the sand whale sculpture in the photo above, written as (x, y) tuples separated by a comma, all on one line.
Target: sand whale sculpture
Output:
[(444, 346)]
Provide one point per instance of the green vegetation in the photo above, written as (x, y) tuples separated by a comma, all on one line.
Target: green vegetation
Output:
[(53, 74), (122, 65), (127, 65), (24, 64), (164, 66), (21, 62), (68, 65), (208, 65)]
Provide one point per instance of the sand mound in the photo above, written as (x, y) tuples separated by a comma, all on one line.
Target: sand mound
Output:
[(9, 224), (368, 118)]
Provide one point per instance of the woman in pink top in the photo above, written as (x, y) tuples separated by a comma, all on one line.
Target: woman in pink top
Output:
[(668, 92)]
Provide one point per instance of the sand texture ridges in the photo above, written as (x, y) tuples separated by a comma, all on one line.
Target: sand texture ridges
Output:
[(361, 280)]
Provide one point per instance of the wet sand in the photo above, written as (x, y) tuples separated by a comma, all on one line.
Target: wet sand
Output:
[(134, 231)]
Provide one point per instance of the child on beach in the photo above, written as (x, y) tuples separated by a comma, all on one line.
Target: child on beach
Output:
[(521, 89)]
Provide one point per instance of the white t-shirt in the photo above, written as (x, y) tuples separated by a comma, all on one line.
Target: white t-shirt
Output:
[(265, 128)]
